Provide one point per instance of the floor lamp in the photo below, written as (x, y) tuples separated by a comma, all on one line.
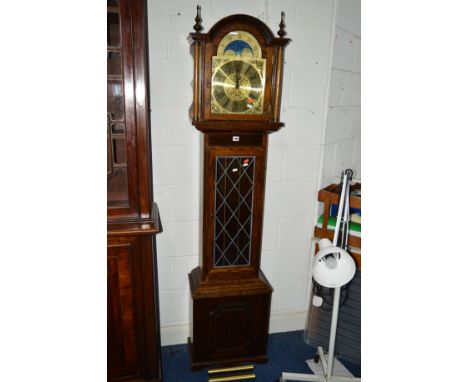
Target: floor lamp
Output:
[(333, 267)]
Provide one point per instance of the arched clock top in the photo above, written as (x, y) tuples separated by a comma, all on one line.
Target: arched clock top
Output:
[(247, 22)]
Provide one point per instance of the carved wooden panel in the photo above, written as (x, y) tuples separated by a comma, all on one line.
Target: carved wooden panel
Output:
[(232, 327), (121, 339)]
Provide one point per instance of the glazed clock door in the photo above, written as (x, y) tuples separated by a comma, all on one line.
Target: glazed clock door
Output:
[(233, 200)]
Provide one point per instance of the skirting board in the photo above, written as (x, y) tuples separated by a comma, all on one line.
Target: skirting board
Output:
[(279, 322)]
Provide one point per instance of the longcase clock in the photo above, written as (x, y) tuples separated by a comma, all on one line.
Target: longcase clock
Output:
[(238, 70), (133, 338)]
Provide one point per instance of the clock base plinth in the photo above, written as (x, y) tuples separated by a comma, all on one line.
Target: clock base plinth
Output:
[(230, 320), (195, 366)]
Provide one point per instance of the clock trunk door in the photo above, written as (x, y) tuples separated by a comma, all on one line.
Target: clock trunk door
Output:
[(234, 195)]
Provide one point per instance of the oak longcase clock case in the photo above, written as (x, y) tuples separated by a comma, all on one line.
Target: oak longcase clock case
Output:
[(238, 69), (133, 338)]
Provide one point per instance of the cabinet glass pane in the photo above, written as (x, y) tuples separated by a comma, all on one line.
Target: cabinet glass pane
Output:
[(118, 151), (115, 103), (117, 188), (117, 177), (113, 29), (235, 178), (117, 167), (114, 63), (109, 151)]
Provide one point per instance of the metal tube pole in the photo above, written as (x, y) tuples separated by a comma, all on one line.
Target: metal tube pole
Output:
[(340, 211), (323, 360), (346, 220), (334, 323)]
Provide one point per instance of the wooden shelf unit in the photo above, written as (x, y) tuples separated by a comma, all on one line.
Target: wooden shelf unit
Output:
[(331, 195)]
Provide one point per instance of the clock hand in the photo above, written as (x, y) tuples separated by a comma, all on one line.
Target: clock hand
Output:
[(237, 75)]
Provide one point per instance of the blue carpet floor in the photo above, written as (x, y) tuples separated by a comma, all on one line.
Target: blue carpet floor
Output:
[(286, 352)]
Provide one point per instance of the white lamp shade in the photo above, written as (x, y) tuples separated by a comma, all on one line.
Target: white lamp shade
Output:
[(333, 266), (324, 243)]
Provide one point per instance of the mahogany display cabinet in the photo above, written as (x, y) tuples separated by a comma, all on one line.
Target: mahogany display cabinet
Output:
[(133, 334)]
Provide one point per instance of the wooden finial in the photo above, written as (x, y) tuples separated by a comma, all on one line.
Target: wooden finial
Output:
[(282, 25), (198, 27)]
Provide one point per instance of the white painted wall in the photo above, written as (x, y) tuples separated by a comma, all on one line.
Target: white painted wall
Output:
[(342, 139), (294, 158)]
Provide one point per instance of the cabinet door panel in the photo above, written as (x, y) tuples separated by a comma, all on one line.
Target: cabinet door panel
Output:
[(231, 327), (122, 172), (121, 339)]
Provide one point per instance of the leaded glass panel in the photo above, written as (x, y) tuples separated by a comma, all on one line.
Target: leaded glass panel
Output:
[(235, 177)]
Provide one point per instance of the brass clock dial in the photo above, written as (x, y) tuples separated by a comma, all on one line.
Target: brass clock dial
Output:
[(238, 75), (237, 87)]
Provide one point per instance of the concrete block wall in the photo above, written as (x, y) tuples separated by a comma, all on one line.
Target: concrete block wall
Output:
[(294, 158), (342, 138)]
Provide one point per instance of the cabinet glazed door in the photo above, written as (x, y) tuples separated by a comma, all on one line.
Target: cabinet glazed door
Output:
[(121, 160), (121, 338)]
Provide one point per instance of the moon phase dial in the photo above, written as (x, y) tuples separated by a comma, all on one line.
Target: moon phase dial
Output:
[(237, 87)]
